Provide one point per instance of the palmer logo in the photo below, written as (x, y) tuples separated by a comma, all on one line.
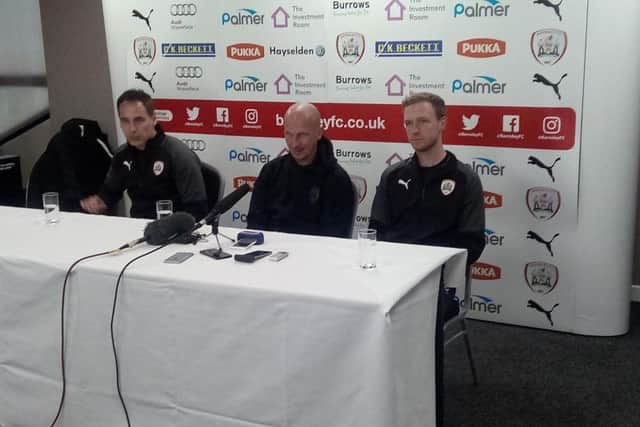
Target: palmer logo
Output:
[(245, 51), (492, 200), (482, 271), (240, 180), (482, 48)]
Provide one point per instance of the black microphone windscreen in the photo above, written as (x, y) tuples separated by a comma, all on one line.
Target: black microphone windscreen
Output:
[(160, 231), (227, 202)]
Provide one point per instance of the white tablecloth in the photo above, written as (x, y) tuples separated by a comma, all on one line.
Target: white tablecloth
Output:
[(310, 341)]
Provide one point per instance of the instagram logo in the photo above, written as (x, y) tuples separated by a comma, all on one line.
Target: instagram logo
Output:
[(251, 116), (551, 125)]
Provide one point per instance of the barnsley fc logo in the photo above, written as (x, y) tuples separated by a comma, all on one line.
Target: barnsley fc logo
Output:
[(158, 167), (361, 185), (548, 46), (447, 186), (541, 277), (543, 203), (144, 49), (350, 47)]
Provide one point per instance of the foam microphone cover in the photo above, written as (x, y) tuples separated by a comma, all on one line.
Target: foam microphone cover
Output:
[(160, 231)]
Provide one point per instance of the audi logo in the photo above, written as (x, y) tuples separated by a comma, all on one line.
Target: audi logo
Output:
[(188, 72), (195, 144), (183, 9)]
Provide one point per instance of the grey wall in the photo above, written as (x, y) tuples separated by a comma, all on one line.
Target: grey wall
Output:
[(77, 63)]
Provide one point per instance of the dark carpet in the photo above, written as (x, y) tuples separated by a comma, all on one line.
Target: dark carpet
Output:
[(531, 377)]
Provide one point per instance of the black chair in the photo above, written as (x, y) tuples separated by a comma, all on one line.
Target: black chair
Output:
[(356, 203), (213, 183)]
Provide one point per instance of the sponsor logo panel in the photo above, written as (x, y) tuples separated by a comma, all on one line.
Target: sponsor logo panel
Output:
[(481, 9), (541, 277), (189, 50), (481, 48), (483, 271)]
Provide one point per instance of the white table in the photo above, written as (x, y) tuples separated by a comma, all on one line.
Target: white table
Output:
[(309, 341)]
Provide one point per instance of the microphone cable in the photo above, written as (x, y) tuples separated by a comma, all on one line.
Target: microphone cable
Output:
[(62, 352)]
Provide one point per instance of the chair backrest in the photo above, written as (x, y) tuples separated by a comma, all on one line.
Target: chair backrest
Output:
[(213, 183), (356, 202)]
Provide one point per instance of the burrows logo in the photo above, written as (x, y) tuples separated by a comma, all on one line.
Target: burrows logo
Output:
[(144, 48), (361, 185), (352, 156), (484, 9), (240, 180), (350, 47), (411, 48), (245, 51), (492, 200), (482, 48), (543, 203), (482, 271), (541, 277), (548, 46), (242, 17)]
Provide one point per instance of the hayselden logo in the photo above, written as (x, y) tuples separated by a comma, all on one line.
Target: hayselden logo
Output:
[(480, 85), (482, 48), (548, 46), (539, 78), (242, 17), (482, 304), (361, 185), (408, 48), (191, 50), (491, 238), (245, 51), (534, 305), (486, 167), (492, 200), (482, 271), (490, 8), (541, 277), (144, 48), (146, 19), (249, 155), (543, 203), (549, 168), (555, 7), (350, 47), (547, 243), (245, 84), (301, 50)]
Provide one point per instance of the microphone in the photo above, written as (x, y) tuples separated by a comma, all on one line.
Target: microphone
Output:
[(225, 204), (160, 231)]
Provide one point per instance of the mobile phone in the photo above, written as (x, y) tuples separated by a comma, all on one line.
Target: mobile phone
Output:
[(251, 256), (178, 257), (243, 243), (278, 256), (215, 253)]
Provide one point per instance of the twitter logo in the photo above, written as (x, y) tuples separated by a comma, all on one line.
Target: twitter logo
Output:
[(193, 113), (470, 123)]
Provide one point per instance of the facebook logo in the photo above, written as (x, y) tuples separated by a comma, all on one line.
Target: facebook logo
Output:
[(222, 115), (510, 124)]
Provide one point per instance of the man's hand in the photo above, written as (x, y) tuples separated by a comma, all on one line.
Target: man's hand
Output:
[(93, 204)]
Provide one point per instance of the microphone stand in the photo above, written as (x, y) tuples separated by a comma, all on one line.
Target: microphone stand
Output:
[(219, 254)]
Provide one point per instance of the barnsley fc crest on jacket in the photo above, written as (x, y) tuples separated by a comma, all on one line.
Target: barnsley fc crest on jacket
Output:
[(541, 277), (158, 167), (350, 47), (543, 203), (447, 186), (144, 49)]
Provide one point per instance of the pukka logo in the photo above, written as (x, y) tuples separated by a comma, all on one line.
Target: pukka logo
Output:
[(158, 167), (240, 180), (543, 203), (548, 46), (541, 277), (482, 271), (350, 47), (492, 200), (482, 48), (144, 49), (245, 51)]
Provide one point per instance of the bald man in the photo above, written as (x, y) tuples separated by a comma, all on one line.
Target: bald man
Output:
[(305, 191)]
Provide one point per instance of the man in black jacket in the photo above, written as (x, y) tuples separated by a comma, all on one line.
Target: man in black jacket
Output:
[(431, 199), (305, 191), (151, 166)]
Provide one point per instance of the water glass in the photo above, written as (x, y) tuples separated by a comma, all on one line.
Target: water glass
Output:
[(51, 204), (367, 248)]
